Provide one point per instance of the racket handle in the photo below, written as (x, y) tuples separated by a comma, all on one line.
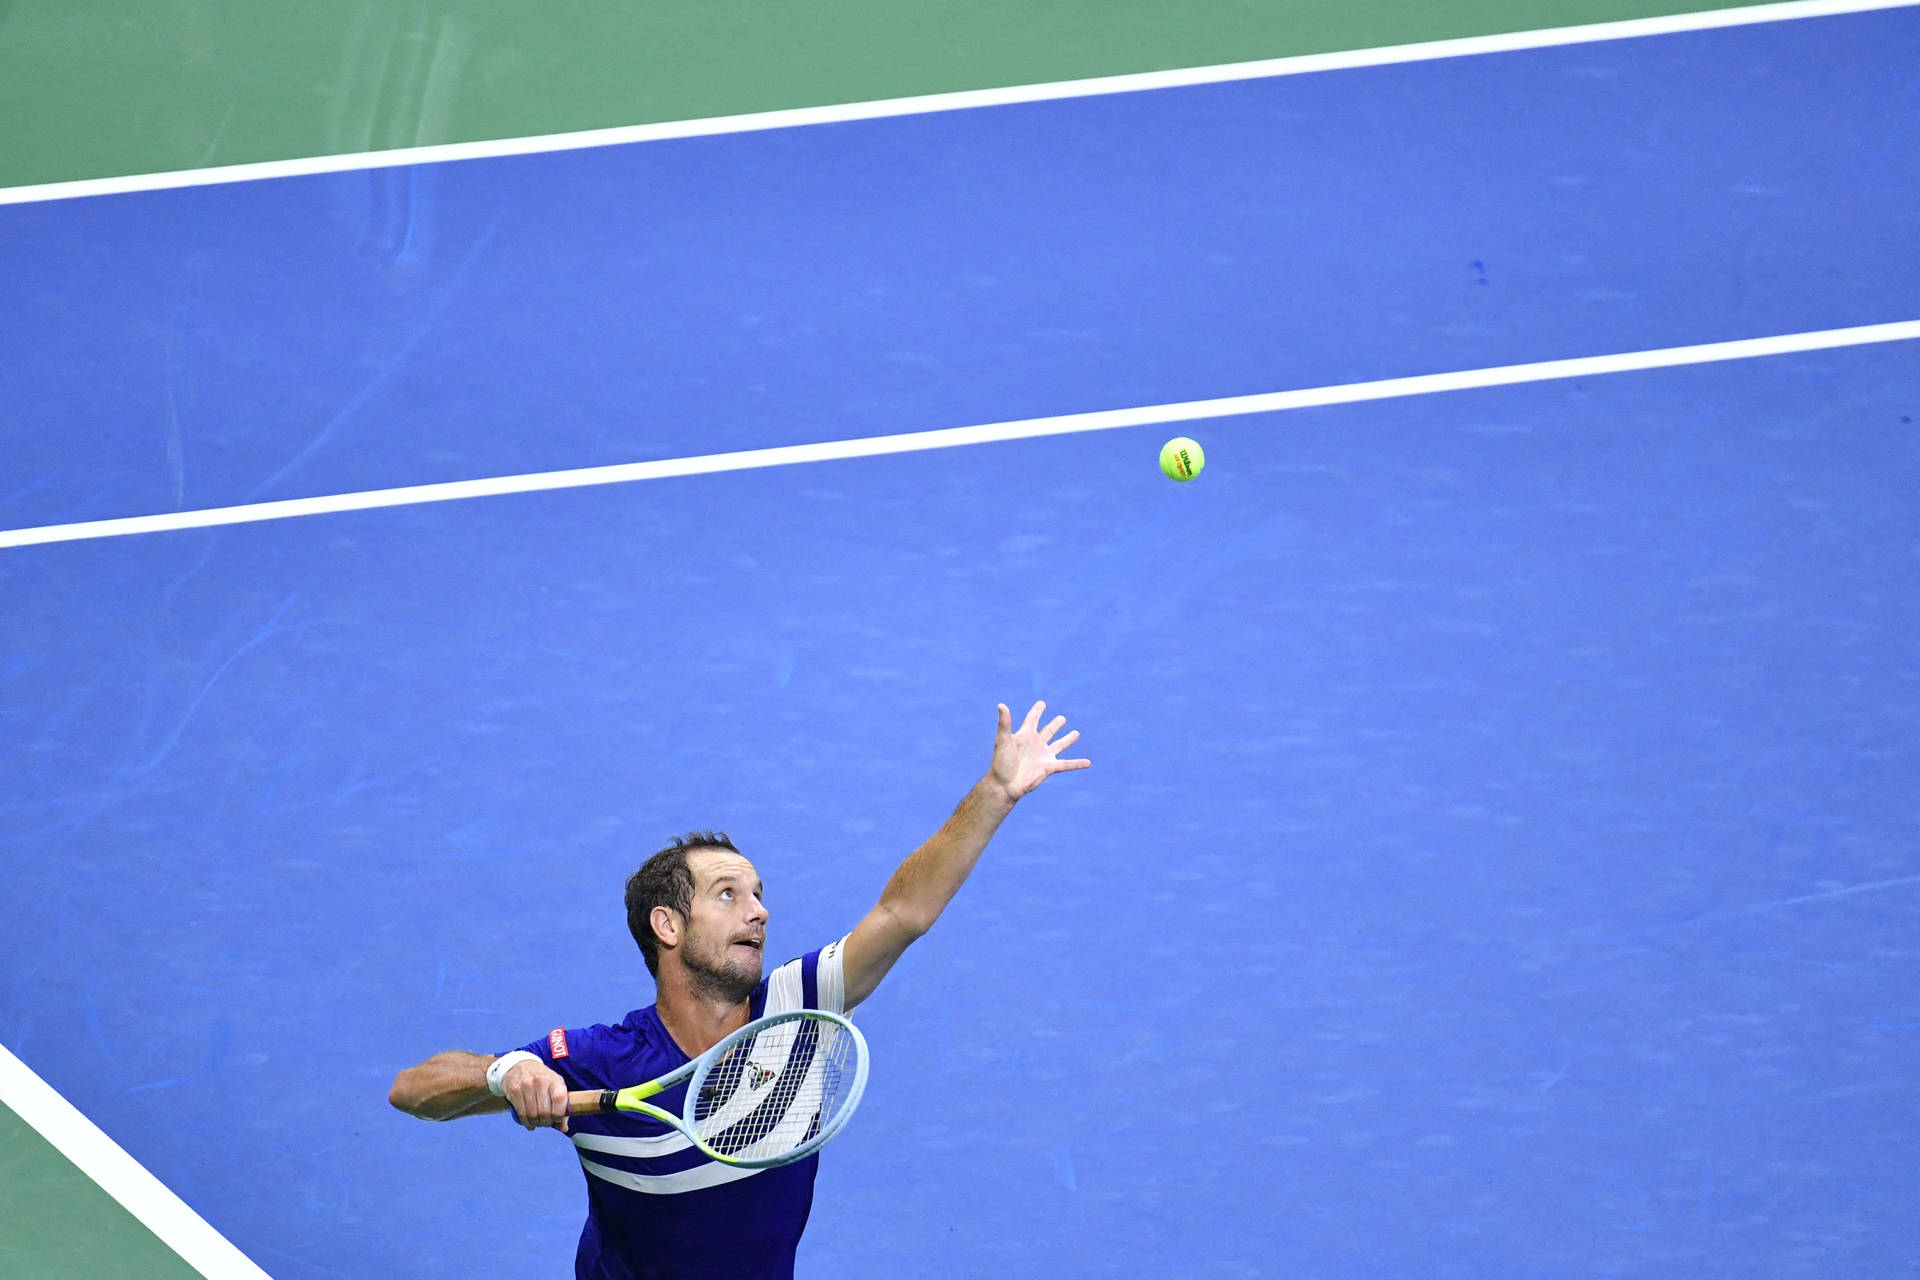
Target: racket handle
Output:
[(591, 1102)]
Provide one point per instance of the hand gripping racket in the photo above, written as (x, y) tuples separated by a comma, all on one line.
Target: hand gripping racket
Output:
[(768, 1094)]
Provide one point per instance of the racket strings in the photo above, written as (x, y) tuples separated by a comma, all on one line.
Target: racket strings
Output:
[(777, 1091)]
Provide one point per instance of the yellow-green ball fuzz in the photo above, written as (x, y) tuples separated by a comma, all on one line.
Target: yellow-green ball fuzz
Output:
[(1182, 458)]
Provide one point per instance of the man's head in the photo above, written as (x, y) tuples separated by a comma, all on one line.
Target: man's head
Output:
[(695, 905)]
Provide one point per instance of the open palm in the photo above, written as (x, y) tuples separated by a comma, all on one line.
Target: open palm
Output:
[(1027, 757)]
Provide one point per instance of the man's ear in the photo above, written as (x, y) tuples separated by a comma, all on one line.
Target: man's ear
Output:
[(665, 922)]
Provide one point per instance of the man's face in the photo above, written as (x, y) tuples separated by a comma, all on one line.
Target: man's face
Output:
[(727, 930)]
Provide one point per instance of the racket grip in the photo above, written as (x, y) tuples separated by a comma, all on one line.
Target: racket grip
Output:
[(591, 1102)]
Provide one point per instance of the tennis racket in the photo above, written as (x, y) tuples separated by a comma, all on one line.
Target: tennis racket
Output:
[(768, 1094)]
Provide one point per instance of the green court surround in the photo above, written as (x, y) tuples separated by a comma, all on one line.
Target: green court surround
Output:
[(92, 91), (54, 1222)]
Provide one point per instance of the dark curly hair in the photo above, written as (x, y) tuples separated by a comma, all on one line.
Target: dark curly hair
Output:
[(665, 880)]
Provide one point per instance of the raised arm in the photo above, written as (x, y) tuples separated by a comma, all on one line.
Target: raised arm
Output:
[(926, 882), (454, 1084)]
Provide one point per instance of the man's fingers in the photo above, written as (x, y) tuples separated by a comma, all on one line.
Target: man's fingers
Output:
[(1006, 719), (539, 1097), (1065, 742), (551, 1101), (1033, 718), (1053, 726), (1061, 766)]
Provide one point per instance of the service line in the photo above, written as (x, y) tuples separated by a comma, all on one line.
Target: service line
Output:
[(950, 437)]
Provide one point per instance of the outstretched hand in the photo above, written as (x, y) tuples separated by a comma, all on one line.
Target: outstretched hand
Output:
[(1024, 759)]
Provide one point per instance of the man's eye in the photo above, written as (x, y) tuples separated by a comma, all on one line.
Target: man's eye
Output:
[(726, 893)]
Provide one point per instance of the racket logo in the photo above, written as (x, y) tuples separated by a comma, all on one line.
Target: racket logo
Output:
[(557, 1042), (752, 1075)]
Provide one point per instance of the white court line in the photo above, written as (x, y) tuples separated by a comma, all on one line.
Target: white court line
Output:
[(120, 1175), (949, 437), (1303, 64)]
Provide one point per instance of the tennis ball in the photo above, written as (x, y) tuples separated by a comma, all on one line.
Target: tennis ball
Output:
[(1182, 458)]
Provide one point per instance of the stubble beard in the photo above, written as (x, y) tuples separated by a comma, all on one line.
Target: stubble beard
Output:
[(725, 981)]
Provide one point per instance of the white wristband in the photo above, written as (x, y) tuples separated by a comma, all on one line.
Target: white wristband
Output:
[(498, 1068)]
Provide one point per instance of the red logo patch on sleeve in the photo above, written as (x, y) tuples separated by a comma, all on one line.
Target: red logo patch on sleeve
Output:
[(557, 1042)]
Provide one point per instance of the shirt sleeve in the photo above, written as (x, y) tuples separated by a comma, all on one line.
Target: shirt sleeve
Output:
[(573, 1053), (816, 980), (832, 976)]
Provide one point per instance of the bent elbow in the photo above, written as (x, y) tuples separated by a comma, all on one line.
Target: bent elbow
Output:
[(400, 1097)]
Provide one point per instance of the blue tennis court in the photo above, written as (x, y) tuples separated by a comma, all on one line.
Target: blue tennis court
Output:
[(1499, 857)]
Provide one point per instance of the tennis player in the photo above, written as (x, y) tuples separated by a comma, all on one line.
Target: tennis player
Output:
[(657, 1209)]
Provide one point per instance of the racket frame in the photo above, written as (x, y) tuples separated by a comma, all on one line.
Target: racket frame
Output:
[(634, 1097)]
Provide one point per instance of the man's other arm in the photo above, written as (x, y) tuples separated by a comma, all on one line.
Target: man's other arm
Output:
[(927, 881)]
